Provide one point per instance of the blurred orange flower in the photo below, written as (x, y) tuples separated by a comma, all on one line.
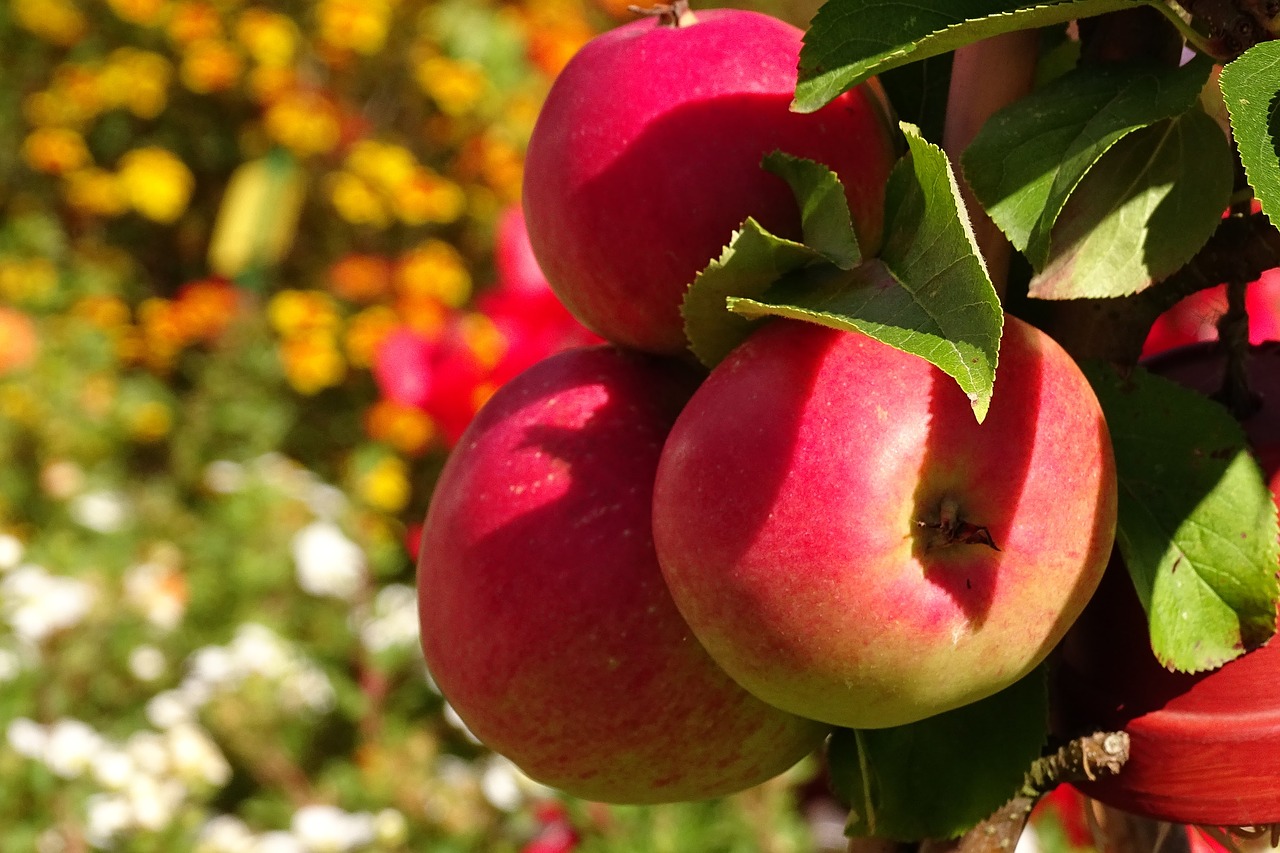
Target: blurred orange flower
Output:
[(55, 150), (303, 121), (434, 269), (55, 21), (407, 429), (193, 20), (298, 312), (211, 65), (358, 25), (145, 13), (360, 277), (366, 331), (96, 191), (311, 362), (19, 343)]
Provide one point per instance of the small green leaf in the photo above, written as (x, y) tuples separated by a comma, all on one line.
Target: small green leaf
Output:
[(753, 260), (1029, 157), (927, 294), (1142, 213), (1197, 525), (852, 40), (825, 220), (1250, 86), (943, 775)]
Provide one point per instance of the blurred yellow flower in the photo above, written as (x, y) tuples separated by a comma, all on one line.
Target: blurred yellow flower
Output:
[(145, 13), (157, 184), (482, 337), (72, 98), (55, 21), (97, 393), (358, 25), (55, 150), (193, 20), (137, 80), (95, 191), (304, 122), (162, 335), (385, 486), (386, 166), (365, 333), (356, 201), (311, 362), (429, 198), (107, 312), (406, 429), (456, 86), (436, 270), (149, 422), (211, 65), (270, 83), (297, 312), (270, 38), (26, 279), (19, 343)]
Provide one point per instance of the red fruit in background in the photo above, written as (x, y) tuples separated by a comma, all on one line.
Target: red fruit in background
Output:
[(798, 512), (545, 620), (518, 270), (1204, 748), (646, 157), (1195, 318)]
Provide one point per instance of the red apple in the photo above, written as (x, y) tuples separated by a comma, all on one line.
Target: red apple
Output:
[(852, 546), (646, 157), (545, 619), (1204, 748), (1195, 318)]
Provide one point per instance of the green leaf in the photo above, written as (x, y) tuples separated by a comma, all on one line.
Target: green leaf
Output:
[(927, 294), (1197, 525), (943, 775), (753, 260), (1141, 213), (1250, 85), (1029, 157), (851, 40), (918, 93), (825, 220)]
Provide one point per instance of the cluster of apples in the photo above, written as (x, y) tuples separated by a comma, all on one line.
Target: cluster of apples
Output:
[(645, 583)]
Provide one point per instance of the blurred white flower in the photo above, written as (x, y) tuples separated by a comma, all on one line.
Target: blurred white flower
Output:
[(224, 476), (149, 752), (500, 786), (214, 666), (26, 737), (307, 688), (154, 801), (147, 663), (71, 747), (51, 841), (37, 604), (390, 827), (158, 591), (113, 768), (276, 842), (106, 817), (326, 501), (11, 551), (195, 757), (257, 649), (329, 829), (326, 562), (224, 833), (102, 511), (394, 620), (11, 665), (169, 708)]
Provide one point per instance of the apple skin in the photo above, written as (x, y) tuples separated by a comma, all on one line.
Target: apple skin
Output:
[(545, 620), (1204, 748), (788, 508), (646, 158)]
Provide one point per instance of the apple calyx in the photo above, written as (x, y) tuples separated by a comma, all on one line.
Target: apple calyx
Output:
[(675, 14), (953, 531)]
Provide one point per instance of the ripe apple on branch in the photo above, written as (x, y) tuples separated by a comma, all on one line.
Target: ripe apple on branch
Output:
[(910, 424)]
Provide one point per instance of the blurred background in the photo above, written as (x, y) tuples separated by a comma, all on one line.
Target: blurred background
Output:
[(260, 262)]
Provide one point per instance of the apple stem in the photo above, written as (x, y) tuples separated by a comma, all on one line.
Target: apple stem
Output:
[(954, 531), (674, 14)]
